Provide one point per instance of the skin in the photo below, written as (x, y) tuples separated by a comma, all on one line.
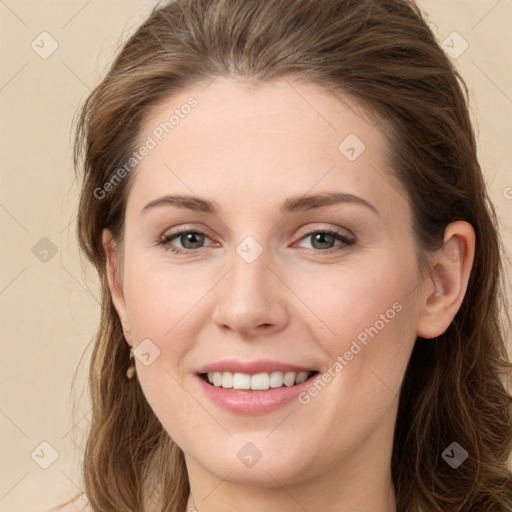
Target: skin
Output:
[(249, 149)]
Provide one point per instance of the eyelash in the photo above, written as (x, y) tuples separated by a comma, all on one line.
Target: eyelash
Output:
[(164, 242)]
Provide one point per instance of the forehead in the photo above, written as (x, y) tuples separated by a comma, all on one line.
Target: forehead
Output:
[(265, 141), (236, 108)]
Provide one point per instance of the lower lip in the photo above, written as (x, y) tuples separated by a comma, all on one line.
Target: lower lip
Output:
[(254, 402)]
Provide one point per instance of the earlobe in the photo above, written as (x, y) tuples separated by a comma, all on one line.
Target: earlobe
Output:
[(448, 279), (114, 281)]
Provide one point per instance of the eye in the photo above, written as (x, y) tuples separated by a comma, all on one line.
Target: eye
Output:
[(323, 240), (189, 240)]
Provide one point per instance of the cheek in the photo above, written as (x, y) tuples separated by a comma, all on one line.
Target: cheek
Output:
[(347, 300), (160, 299), (367, 326), (365, 322)]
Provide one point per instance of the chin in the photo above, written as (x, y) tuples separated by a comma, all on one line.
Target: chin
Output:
[(254, 460)]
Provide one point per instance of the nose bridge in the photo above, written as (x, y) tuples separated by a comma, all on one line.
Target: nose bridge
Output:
[(249, 296)]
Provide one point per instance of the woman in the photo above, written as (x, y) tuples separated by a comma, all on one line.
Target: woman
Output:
[(301, 270)]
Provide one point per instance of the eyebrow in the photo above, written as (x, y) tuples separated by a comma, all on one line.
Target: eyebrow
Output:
[(292, 204)]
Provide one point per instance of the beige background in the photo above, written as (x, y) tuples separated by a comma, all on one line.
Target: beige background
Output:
[(50, 309)]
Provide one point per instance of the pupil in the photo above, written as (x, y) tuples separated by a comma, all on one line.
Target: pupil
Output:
[(321, 237), (187, 239)]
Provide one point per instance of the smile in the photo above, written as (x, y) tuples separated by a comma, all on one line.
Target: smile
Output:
[(257, 382), (254, 394)]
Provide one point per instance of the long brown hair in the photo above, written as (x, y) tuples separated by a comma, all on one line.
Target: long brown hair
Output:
[(382, 54)]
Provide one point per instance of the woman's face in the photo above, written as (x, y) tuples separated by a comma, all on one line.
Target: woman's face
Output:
[(260, 281)]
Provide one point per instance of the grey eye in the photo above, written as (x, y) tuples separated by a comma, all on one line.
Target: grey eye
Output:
[(193, 238)]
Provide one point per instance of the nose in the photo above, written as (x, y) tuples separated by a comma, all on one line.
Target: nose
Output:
[(251, 299)]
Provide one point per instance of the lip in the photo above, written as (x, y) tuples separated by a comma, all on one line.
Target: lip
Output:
[(253, 367), (253, 402)]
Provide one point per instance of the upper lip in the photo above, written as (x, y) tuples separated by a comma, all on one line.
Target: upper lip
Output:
[(252, 367)]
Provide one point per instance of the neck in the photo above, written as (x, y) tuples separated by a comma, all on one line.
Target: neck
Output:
[(373, 502)]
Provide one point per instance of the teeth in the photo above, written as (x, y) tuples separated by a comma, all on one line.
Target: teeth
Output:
[(301, 377), (260, 381), (289, 378), (240, 380), (226, 380), (216, 379), (257, 382), (276, 379)]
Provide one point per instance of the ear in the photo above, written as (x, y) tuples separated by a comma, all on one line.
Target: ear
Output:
[(447, 283), (114, 281)]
